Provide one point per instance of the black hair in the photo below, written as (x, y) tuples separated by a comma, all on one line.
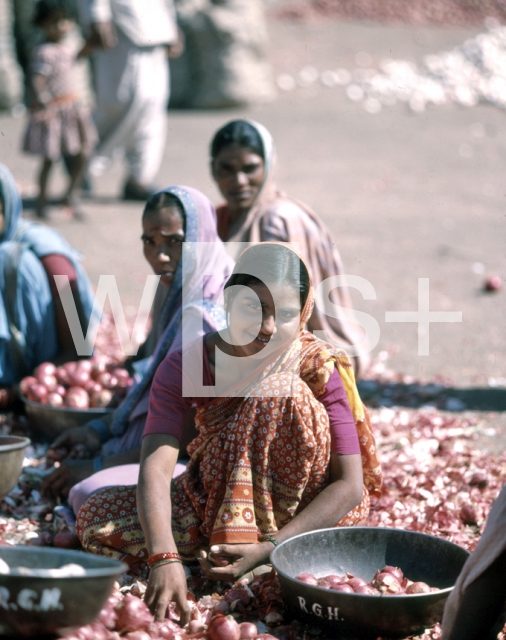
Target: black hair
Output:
[(272, 264), (238, 132), (161, 200), (45, 10)]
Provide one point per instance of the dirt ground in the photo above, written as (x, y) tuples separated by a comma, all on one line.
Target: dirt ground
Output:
[(405, 195)]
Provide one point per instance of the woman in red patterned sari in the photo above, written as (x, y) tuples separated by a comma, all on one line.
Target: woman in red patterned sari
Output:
[(285, 450)]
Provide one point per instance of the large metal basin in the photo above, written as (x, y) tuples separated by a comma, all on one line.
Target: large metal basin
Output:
[(38, 606), (12, 453), (51, 421), (361, 551)]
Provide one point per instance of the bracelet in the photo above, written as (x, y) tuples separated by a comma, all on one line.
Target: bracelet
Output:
[(162, 562), (98, 464), (268, 538), (168, 555)]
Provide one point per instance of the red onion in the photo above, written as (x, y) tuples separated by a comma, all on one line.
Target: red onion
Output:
[(221, 607), (108, 617), (77, 398), (133, 614), (37, 393), (367, 590), (238, 594), (107, 380), (248, 630), (418, 587), (138, 635), (62, 375), (26, 383), (478, 480), (70, 367), (343, 587), (43, 540), (101, 399), (306, 577), (224, 628), (61, 390), (85, 365), (468, 514), (323, 583), (195, 626), (99, 364), (91, 386), (356, 582), (120, 373), (44, 369), (49, 381), (395, 571), (160, 630), (79, 377), (265, 636), (66, 539), (493, 283), (333, 579), (386, 583), (54, 400)]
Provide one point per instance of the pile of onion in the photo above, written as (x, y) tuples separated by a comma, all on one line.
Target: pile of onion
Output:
[(95, 383), (388, 581)]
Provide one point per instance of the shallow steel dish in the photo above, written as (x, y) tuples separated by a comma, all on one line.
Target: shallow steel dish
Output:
[(37, 606), (12, 453), (361, 551), (51, 421)]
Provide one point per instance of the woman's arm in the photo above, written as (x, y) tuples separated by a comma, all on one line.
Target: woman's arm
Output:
[(167, 582), (335, 501), (57, 264)]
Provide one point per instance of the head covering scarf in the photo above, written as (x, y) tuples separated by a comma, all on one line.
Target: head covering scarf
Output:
[(275, 216), (40, 239), (193, 290)]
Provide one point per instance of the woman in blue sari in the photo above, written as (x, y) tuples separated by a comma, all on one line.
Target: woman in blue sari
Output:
[(33, 325)]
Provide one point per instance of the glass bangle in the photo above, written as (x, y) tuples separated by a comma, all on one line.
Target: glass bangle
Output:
[(268, 538)]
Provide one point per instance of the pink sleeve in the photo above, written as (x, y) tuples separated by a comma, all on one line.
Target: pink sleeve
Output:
[(343, 432), (167, 407)]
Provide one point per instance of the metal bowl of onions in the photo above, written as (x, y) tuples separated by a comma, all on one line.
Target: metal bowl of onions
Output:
[(58, 398), (363, 552), (12, 453), (46, 591), (51, 421)]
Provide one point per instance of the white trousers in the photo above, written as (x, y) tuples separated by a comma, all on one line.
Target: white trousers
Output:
[(132, 93)]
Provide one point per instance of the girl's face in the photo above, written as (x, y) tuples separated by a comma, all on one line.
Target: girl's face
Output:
[(57, 27), (239, 173), (163, 237), (258, 325)]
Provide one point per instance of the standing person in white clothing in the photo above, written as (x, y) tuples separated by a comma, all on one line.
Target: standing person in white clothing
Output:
[(129, 41)]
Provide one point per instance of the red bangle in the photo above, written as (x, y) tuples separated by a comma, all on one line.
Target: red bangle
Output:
[(169, 555)]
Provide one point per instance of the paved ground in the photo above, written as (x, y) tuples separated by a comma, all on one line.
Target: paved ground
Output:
[(406, 196)]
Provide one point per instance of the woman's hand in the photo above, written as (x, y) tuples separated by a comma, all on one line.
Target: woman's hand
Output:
[(69, 473), (80, 442), (231, 561), (167, 583)]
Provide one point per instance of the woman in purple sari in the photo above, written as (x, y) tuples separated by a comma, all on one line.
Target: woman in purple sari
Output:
[(111, 445)]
